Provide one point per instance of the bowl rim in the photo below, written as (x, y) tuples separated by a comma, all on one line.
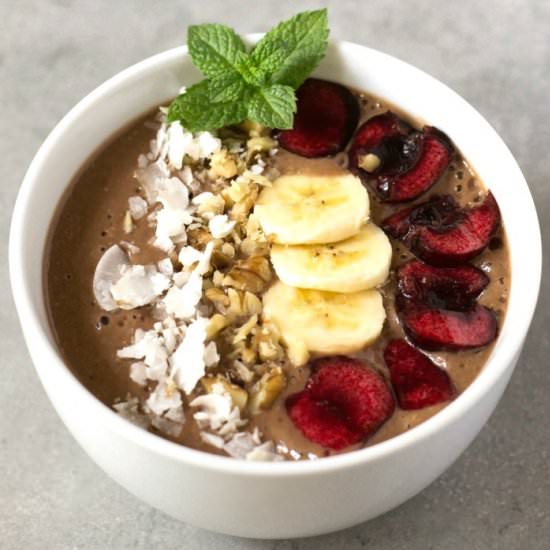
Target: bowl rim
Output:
[(494, 368)]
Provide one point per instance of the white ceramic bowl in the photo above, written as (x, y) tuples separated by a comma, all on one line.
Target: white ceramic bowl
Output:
[(264, 499)]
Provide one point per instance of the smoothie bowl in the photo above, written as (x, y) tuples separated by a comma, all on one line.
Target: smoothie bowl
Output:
[(274, 330)]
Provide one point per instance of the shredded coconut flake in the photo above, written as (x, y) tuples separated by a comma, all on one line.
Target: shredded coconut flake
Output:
[(211, 439), (182, 302), (217, 412), (173, 194), (170, 336), (165, 396), (166, 267), (220, 226), (204, 263), (138, 373), (242, 443), (137, 207), (107, 272), (149, 177), (189, 256), (178, 143), (248, 446), (149, 347), (211, 355), (257, 168), (187, 362), (181, 277), (207, 144), (264, 453), (175, 214), (186, 175), (139, 285)]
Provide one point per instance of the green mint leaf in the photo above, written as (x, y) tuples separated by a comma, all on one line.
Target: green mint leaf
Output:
[(291, 50), (251, 73), (273, 106), (215, 49), (228, 87), (197, 112)]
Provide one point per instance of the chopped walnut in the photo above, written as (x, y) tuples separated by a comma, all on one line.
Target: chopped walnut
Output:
[(253, 274), (266, 390), (216, 324), (224, 165)]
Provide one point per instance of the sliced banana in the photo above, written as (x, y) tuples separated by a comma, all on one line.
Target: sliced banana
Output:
[(312, 209), (324, 322), (358, 263)]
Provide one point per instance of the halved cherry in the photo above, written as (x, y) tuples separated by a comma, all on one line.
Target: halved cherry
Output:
[(326, 117), (382, 146), (442, 233), (435, 155), (343, 402), (399, 163), (441, 287), (443, 329), (417, 381)]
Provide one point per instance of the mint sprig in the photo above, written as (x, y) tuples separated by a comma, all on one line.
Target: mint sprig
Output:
[(258, 85)]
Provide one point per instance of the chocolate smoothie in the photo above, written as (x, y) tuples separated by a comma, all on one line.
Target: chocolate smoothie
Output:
[(93, 217)]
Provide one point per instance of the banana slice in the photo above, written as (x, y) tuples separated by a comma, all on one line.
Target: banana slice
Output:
[(358, 263), (312, 210), (323, 322)]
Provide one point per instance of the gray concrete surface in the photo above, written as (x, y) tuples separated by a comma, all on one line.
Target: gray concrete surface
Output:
[(495, 53)]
